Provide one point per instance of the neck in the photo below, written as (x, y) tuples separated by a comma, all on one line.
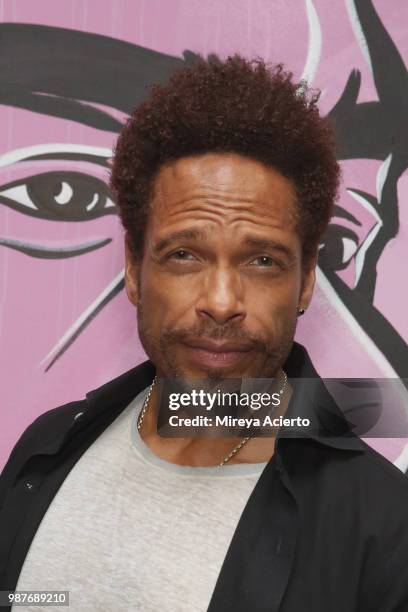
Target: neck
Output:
[(196, 451)]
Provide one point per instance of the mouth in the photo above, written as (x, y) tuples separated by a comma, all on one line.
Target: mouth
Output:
[(211, 354)]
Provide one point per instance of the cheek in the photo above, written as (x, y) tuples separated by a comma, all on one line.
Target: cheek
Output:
[(275, 298), (271, 318), (169, 300), (273, 314)]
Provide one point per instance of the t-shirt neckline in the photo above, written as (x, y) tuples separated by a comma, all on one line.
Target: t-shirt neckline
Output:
[(228, 470)]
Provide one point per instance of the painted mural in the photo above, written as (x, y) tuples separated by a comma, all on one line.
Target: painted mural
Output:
[(71, 73)]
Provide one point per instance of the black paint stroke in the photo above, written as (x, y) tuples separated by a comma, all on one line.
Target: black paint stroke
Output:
[(63, 73), (375, 130), (41, 252)]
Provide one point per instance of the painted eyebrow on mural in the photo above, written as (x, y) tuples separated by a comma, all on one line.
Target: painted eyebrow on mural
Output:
[(339, 211), (86, 157), (31, 76)]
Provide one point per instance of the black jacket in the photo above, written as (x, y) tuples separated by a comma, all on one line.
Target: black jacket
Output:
[(323, 530)]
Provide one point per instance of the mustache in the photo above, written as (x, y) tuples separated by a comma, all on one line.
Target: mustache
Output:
[(211, 331)]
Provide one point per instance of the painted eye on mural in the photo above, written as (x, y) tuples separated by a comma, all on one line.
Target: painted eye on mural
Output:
[(339, 246), (59, 196)]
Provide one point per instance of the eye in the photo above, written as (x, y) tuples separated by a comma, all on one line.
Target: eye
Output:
[(339, 246), (264, 261), (59, 196), (181, 254)]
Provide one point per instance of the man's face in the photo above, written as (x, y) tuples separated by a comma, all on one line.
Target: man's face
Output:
[(220, 280)]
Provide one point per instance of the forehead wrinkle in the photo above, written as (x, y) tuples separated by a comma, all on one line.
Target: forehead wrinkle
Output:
[(228, 219), (232, 215), (256, 220), (177, 200), (210, 205), (233, 223), (209, 197)]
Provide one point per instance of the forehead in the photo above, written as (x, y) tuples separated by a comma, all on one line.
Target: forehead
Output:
[(225, 184)]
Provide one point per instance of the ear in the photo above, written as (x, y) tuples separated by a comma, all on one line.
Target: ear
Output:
[(308, 282), (132, 269)]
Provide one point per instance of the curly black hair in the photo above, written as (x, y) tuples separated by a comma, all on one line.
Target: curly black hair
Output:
[(238, 106)]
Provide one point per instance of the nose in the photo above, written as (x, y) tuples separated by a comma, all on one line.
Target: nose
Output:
[(222, 297)]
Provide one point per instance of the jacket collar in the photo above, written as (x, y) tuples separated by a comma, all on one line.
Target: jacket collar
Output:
[(312, 400), (120, 390)]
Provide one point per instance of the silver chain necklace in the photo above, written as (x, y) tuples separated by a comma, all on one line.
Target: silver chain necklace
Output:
[(236, 448)]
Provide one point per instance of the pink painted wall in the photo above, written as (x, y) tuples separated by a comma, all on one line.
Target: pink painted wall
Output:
[(65, 323)]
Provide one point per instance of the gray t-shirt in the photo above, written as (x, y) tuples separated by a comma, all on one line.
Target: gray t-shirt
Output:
[(130, 531)]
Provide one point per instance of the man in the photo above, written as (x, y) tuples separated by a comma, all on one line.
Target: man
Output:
[(225, 180)]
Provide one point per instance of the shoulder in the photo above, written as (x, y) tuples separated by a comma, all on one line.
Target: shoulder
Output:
[(49, 423), (46, 427), (373, 494), (46, 422), (360, 481), (46, 434), (376, 474), (370, 479)]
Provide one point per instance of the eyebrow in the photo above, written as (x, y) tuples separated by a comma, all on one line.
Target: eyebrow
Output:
[(266, 244), (190, 234), (257, 242)]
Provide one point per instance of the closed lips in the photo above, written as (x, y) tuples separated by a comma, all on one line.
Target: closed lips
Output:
[(216, 347)]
